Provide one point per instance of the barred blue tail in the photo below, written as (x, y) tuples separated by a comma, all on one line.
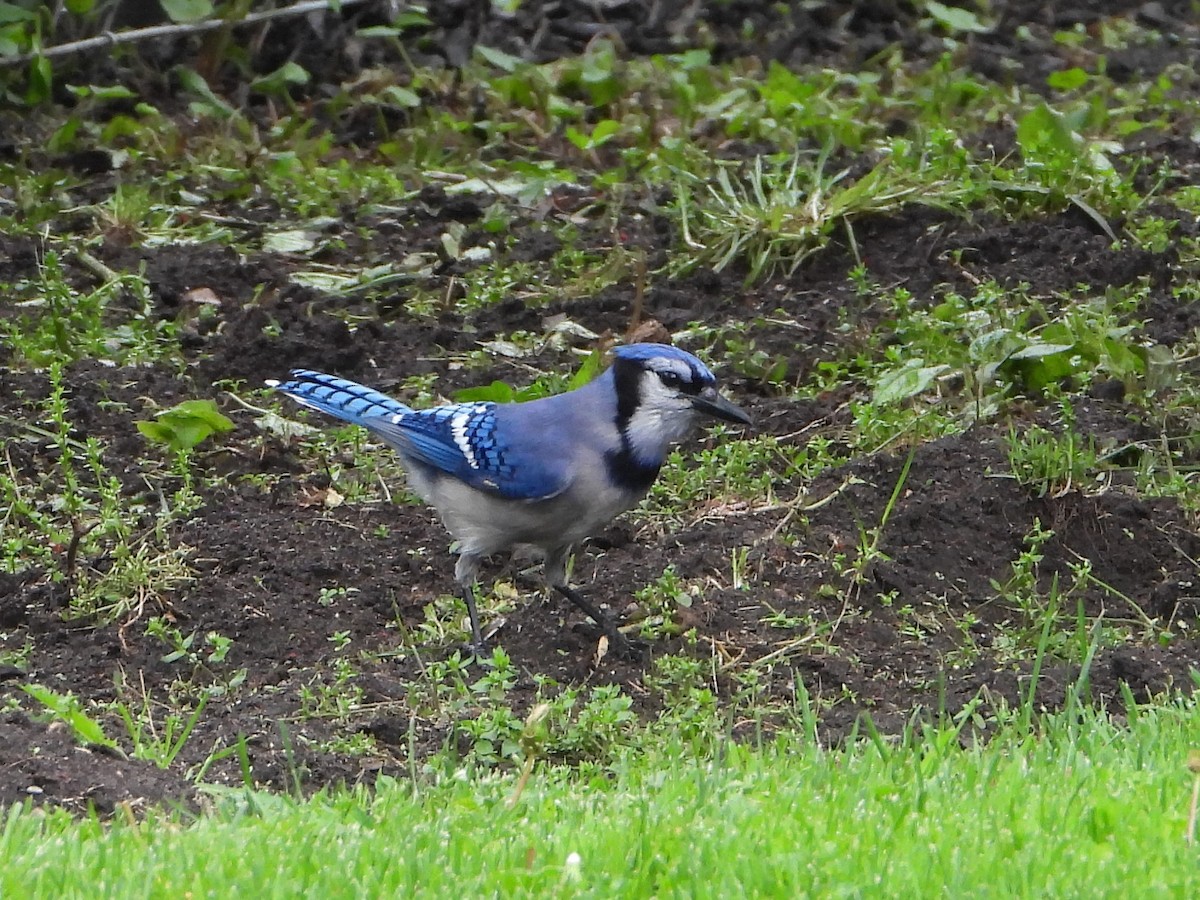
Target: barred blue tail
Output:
[(347, 400)]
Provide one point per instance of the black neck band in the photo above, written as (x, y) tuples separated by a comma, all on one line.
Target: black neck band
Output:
[(627, 471)]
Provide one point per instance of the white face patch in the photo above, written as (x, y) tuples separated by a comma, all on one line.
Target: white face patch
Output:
[(654, 395), (663, 417)]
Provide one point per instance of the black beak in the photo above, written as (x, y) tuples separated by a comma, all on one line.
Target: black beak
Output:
[(710, 403)]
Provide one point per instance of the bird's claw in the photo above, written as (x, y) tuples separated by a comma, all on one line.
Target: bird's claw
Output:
[(475, 651), (627, 649)]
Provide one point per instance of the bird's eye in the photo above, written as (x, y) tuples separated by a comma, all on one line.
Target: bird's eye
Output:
[(670, 379)]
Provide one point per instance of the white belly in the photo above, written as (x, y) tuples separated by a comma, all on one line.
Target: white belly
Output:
[(486, 524)]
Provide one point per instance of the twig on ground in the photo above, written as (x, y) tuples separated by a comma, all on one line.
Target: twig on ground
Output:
[(113, 38)]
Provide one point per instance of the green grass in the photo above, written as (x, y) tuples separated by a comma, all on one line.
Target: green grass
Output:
[(1089, 809)]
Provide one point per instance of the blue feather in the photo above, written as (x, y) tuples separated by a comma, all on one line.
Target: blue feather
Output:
[(653, 355), (463, 441), (460, 440), (346, 400)]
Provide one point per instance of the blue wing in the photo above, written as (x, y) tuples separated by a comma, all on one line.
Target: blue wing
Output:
[(346, 400), (464, 440)]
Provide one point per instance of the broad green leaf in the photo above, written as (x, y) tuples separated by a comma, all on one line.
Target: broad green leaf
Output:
[(496, 392), (498, 58), (383, 31), (1162, 371), (985, 375), (10, 12), (601, 134), (411, 18), (67, 708), (991, 346), (450, 240), (329, 282), (955, 19), (1037, 350), (505, 187), (689, 60), (41, 80), (534, 391), (1042, 129), (158, 432), (590, 369), (1067, 79), (293, 241), (1036, 373), (121, 126), (1056, 333), (577, 137), (783, 89), (603, 131), (277, 81), (204, 410), (101, 92), (184, 433), (185, 425), (194, 82), (910, 379), (597, 74), (63, 138), (401, 96), (187, 10), (1123, 359)]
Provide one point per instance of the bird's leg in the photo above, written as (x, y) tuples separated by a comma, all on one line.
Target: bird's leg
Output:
[(477, 646), (588, 607), (464, 573), (620, 644), (556, 575)]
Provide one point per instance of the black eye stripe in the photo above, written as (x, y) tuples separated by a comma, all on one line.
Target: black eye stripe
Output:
[(677, 382)]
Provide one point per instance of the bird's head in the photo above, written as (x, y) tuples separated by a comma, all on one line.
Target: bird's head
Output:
[(662, 392)]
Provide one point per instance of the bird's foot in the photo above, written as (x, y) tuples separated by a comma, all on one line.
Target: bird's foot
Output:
[(473, 652), (628, 649)]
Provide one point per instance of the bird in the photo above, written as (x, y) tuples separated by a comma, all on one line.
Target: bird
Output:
[(547, 472)]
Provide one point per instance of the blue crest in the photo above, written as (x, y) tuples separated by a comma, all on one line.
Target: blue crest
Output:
[(647, 354)]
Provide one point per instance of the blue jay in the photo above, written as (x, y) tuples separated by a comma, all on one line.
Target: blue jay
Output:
[(546, 473)]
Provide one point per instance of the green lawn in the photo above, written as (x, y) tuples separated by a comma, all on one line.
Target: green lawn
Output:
[(1087, 809)]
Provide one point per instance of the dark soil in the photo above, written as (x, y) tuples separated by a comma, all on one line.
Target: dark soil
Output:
[(264, 545)]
